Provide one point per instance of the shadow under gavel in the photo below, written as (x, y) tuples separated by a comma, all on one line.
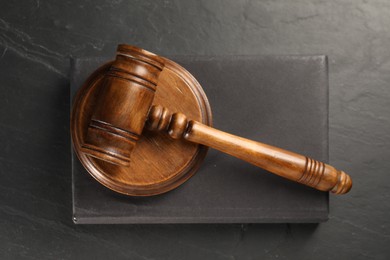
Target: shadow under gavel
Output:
[(124, 108)]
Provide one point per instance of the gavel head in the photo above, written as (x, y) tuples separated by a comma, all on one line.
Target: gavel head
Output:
[(122, 105)]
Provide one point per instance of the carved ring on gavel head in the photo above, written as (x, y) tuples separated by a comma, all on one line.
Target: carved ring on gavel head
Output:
[(123, 108)]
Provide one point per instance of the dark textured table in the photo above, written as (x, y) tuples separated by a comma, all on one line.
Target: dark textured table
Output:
[(37, 38)]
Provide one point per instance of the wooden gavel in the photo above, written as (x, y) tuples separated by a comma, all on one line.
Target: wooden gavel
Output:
[(124, 108)]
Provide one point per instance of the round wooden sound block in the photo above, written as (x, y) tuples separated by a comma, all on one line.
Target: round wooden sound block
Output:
[(158, 163)]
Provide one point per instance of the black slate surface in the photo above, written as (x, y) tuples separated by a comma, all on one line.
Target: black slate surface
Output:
[(36, 40), (278, 100)]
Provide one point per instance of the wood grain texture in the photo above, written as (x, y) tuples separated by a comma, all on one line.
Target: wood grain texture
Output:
[(158, 163), (123, 105), (284, 163)]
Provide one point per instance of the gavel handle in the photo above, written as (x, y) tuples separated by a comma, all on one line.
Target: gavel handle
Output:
[(284, 163)]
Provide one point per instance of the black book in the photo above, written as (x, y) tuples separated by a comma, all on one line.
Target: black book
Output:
[(277, 100)]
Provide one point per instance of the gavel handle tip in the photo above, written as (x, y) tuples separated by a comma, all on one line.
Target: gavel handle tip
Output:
[(344, 184)]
